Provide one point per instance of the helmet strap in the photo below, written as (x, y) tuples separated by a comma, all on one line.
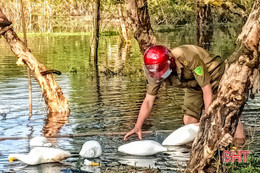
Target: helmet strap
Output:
[(167, 73), (172, 63)]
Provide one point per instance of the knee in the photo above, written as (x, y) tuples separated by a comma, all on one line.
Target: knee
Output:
[(189, 120)]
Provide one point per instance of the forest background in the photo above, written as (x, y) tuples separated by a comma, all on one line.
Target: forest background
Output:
[(76, 16), (48, 16)]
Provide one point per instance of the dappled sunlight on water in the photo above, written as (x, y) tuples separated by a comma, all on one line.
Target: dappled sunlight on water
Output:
[(100, 104)]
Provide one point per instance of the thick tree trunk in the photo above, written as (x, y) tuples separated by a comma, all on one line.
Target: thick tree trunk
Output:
[(122, 23), (139, 20), (204, 25), (51, 91), (218, 123)]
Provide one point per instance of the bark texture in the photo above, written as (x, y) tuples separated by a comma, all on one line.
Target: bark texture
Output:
[(96, 31), (218, 123), (51, 91), (139, 20), (122, 23)]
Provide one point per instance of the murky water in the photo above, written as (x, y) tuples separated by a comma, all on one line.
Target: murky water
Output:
[(103, 104)]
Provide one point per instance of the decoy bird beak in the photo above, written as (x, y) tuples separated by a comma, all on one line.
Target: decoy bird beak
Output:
[(94, 164), (11, 159)]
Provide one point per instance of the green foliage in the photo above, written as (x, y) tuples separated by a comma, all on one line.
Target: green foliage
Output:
[(108, 33), (251, 166), (180, 12), (246, 3), (49, 16), (172, 11)]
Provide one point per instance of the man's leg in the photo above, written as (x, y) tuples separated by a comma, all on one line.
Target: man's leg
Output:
[(192, 106), (239, 137), (189, 120)]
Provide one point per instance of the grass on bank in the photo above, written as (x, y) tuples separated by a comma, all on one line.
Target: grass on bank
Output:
[(251, 166), (105, 33)]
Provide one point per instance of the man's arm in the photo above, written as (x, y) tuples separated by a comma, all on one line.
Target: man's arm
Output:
[(207, 95), (143, 115)]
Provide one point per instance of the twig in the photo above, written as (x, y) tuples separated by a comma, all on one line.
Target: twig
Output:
[(86, 134)]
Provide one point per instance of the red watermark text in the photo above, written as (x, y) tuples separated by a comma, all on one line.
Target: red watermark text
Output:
[(231, 156)]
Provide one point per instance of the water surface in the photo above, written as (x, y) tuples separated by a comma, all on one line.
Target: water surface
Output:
[(100, 103)]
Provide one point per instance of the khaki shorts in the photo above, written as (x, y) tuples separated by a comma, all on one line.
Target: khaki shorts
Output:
[(193, 103)]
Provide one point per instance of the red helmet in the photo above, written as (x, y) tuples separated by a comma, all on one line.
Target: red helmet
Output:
[(157, 60)]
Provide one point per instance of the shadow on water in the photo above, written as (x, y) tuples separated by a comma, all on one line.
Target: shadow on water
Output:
[(103, 101)]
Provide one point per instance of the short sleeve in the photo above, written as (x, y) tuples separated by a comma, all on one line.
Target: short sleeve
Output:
[(153, 89), (199, 71)]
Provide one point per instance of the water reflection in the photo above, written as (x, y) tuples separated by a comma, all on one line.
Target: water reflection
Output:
[(136, 161), (90, 169), (53, 123), (100, 101), (42, 168), (116, 58), (175, 159), (204, 36), (204, 22)]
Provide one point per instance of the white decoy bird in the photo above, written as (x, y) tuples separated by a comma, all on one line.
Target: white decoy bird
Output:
[(39, 155), (91, 149), (142, 148), (182, 135), (39, 141)]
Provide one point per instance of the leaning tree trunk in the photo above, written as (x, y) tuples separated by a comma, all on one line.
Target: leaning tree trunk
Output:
[(218, 123), (51, 91), (139, 20)]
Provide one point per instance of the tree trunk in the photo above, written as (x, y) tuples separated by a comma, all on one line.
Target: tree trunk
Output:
[(96, 32), (204, 25), (139, 20), (219, 121), (51, 91), (28, 70), (122, 23)]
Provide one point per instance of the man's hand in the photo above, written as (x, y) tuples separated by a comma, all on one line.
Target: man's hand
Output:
[(136, 130), (197, 124), (143, 114)]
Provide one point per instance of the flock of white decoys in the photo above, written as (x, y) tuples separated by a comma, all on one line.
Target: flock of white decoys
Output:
[(43, 152)]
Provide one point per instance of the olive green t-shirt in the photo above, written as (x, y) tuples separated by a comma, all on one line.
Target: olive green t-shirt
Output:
[(194, 69)]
